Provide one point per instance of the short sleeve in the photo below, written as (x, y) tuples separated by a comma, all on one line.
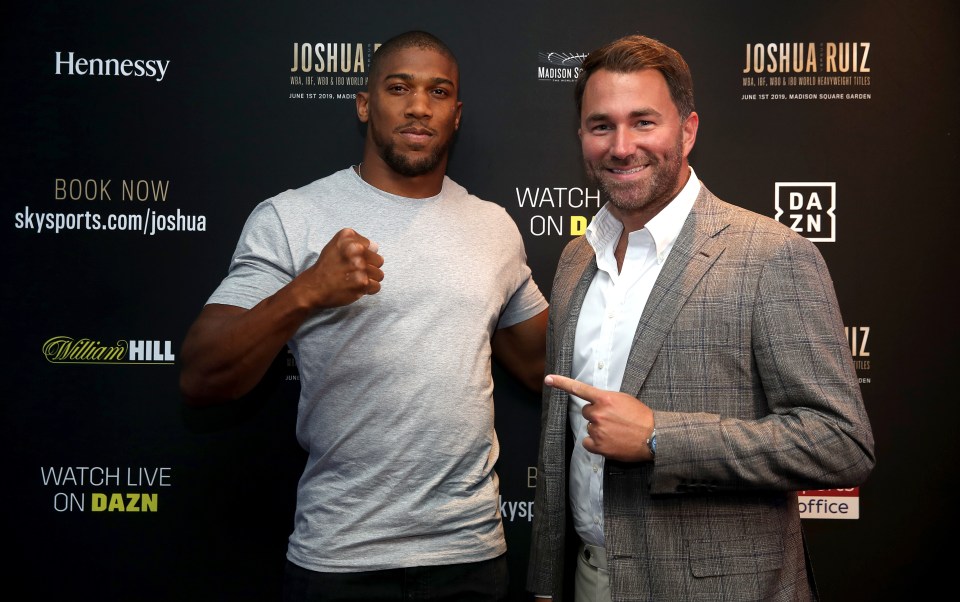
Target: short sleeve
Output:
[(262, 263)]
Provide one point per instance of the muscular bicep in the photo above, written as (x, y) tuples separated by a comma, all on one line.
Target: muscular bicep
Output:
[(520, 349)]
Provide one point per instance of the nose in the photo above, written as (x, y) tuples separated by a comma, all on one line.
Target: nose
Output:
[(622, 146), (418, 105)]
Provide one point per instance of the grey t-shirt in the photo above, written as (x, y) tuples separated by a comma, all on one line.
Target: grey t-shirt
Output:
[(396, 404)]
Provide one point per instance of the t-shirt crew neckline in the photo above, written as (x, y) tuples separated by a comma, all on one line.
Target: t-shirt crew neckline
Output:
[(391, 196)]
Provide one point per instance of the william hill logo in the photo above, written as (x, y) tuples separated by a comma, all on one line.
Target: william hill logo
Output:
[(67, 350)]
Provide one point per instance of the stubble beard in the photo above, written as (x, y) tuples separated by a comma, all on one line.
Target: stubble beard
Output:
[(658, 189), (405, 165)]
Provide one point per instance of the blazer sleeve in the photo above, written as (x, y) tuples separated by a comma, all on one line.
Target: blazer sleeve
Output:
[(785, 412)]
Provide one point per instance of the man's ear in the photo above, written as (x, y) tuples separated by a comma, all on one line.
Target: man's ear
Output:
[(689, 129), (363, 106)]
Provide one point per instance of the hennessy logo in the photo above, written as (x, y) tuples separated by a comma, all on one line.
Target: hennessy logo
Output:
[(70, 65)]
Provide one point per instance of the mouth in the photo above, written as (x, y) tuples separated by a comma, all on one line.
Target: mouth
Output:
[(625, 171), (415, 134)]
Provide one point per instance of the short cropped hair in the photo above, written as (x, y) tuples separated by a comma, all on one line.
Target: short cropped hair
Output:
[(410, 39), (636, 52)]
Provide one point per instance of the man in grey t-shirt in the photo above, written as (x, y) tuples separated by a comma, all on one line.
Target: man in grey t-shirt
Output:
[(394, 288)]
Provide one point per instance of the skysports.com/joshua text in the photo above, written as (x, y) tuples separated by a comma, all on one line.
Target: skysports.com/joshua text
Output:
[(147, 223)]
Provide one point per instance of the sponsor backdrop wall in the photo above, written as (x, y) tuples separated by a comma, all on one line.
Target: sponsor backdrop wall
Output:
[(138, 136)]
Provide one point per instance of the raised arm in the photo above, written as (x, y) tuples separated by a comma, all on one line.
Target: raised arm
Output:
[(228, 349)]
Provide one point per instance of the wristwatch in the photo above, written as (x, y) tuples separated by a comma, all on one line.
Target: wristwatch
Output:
[(652, 441)]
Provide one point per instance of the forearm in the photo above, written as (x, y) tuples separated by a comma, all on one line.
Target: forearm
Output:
[(228, 349)]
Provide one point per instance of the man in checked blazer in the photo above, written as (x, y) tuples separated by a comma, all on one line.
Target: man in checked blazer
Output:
[(697, 369)]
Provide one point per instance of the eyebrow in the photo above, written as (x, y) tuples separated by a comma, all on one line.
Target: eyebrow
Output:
[(635, 114), (408, 77)]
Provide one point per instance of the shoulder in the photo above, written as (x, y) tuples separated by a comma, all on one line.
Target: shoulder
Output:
[(297, 205), (577, 251), (455, 191), (482, 214), (716, 217), (308, 193), (575, 257)]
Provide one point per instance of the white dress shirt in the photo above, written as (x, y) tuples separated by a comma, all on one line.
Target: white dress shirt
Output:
[(605, 330)]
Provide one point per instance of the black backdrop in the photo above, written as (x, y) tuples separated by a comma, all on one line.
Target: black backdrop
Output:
[(124, 196)]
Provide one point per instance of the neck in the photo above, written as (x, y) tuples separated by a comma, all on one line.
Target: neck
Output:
[(374, 171)]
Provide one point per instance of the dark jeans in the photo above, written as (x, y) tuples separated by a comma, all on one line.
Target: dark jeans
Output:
[(484, 581)]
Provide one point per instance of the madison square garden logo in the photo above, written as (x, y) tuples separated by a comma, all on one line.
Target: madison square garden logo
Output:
[(559, 66), (808, 208)]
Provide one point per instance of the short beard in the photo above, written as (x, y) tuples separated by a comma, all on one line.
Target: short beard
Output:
[(658, 190), (405, 166), (401, 163)]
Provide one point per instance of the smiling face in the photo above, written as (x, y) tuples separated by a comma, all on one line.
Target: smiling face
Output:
[(411, 111), (634, 144)]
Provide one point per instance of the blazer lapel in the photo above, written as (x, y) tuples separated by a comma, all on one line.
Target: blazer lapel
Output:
[(579, 272), (574, 275), (697, 248)]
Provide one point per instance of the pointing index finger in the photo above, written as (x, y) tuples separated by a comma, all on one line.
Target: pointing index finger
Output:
[(574, 387)]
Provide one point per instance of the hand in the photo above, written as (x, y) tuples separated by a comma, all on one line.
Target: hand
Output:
[(619, 424), (348, 268)]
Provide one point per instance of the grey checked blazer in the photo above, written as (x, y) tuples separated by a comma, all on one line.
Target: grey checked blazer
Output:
[(741, 354)]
